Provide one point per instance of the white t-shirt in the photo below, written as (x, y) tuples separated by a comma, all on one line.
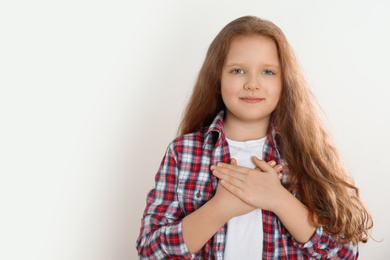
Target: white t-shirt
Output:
[(245, 233)]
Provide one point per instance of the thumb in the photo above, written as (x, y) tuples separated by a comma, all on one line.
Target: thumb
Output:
[(233, 161), (262, 165)]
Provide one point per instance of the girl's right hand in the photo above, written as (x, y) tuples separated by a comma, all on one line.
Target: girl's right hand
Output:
[(230, 205)]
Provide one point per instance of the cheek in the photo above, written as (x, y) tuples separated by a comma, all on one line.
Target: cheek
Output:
[(276, 90), (273, 92), (278, 94), (225, 96), (228, 97), (228, 88)]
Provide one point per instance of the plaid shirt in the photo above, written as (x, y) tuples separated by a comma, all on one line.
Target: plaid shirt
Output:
[(184, 183)]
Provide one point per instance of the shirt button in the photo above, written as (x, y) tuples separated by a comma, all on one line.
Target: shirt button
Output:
[(198, 195)]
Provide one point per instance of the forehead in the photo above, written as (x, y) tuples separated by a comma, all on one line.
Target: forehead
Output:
[(254, 47)]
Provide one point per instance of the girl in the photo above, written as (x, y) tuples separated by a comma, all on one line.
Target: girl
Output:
[(215, 199)]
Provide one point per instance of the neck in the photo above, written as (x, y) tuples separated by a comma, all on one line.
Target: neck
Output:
[(239, 130)]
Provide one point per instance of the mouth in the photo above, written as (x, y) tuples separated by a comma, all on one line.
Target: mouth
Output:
[(251, 99)]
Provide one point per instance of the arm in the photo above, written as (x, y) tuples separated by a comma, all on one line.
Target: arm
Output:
[(166, 232), (201, 225), (161, 227), (311, 240), (261, 188), (322, 246), (294, 215)]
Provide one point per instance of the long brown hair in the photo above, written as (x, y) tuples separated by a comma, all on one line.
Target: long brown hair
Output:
[(315, 166)]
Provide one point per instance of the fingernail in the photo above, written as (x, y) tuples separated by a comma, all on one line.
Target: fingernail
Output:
[(273, 163), (279, 167), (219, 164), (212, 167)]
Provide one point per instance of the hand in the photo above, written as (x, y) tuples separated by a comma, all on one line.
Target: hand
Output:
[(278, 168), (258, 187), (232, 205)]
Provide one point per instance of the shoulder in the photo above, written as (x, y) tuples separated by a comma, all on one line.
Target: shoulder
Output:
[(204, 138), (188, 141)]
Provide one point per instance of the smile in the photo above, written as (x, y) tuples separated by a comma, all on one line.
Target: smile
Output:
[(252, 99)]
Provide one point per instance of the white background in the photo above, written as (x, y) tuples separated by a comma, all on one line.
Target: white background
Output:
[(92, 92)]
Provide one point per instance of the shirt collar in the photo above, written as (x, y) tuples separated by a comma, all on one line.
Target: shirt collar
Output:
[(216, 127), (274, 135)]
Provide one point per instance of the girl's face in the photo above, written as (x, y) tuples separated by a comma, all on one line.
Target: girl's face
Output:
[(251, 80)]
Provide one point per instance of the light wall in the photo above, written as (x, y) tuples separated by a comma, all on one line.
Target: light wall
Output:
[(92, 92)]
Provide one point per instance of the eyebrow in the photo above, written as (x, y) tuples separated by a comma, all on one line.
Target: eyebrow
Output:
[(232, 64)]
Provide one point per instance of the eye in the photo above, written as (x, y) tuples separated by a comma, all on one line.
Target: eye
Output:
[(237, 71), (268, 72)]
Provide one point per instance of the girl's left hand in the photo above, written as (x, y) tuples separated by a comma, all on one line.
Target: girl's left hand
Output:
[(258, 187)]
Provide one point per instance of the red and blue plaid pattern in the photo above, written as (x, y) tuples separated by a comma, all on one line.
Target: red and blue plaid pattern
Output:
[(184, 183)]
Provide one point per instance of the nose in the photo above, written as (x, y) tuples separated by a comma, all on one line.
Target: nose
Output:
[(252, 83)]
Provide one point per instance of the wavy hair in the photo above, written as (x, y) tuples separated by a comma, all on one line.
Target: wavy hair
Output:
[(315, 166)]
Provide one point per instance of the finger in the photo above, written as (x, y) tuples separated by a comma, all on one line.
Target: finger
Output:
[(234, 167), (233, 161), (262, 165), (278, 167), (280, 175), (233, 189), (272, 163), (232, 180), (224, 173)]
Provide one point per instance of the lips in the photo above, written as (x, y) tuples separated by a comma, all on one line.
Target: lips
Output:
[(251, 99)]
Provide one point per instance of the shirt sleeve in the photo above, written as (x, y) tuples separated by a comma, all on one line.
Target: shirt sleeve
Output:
[(322, 246), (161, 234)]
